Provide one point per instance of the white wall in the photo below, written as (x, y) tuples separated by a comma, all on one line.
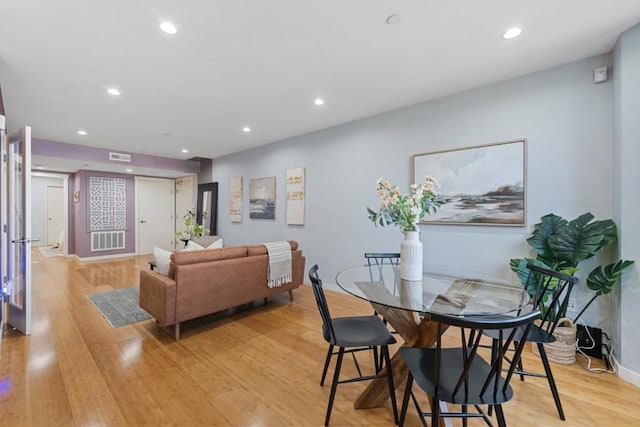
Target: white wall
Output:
[(568, 121), (566, 118), (39, 205), (626, 149)]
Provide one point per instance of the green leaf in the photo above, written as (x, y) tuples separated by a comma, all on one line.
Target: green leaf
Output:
[(519, 266), (602, 280), (578, 241), (610, 232), (539, 240)]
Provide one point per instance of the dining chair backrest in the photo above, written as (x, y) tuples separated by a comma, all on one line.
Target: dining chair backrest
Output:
[(379, 258), (492, 380), (321, 301), (551, 292)]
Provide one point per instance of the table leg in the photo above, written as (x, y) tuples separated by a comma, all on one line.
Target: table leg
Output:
[(421, 335)]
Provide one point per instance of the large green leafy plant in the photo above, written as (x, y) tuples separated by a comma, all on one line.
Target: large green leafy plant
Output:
[(191, 227), (561, 245)]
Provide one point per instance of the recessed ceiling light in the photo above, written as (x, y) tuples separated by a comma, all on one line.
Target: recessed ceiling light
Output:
[(168, 27), (184, 150), (246, 129), (319, 101), (82, 132), (511, 33), (113, 91), (129, 170), (393, 19)]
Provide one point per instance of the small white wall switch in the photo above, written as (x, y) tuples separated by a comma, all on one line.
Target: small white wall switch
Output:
[(600, 75)]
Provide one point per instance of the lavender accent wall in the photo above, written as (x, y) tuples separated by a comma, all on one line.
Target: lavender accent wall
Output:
[(44, 147), (81, 213)]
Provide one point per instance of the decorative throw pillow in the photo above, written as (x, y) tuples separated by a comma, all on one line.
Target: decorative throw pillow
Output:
[(216, 245), (162, 258), (192, 246)]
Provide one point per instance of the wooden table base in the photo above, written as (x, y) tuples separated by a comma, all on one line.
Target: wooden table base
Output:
[(414, 335)]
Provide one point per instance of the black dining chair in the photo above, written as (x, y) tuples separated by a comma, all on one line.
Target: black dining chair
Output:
[(550, 294), (459, 375), (351, 335), (379, 259)]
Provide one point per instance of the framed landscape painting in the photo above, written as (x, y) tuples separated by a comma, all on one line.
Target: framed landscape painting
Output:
[(481, 185), (262, 198)]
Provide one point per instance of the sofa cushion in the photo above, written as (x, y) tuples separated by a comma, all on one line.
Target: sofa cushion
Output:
[(162, 258), (191, 246), (207, 255), (207, 241), (218, 244)]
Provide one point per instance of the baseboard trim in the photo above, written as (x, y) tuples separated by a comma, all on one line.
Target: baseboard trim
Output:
[(102, 257), (626, 374)]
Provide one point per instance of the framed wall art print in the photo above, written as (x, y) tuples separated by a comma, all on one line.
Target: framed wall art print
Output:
[(481, 185), (262, 198)]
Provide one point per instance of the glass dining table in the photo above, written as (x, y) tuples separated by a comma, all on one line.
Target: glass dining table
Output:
[(406, 306)]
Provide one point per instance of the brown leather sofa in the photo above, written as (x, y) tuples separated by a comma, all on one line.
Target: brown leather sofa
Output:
[(210, 280)]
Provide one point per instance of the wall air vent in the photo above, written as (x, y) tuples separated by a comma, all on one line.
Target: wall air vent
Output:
[(119, 157), (107, 240)]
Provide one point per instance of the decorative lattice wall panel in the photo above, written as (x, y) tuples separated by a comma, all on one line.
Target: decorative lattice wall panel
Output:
[(107, 203)]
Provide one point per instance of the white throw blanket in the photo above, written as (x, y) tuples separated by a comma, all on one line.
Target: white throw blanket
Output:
[(279, 268)]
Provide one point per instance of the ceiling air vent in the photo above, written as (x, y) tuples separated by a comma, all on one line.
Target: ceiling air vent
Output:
[(119, 157)]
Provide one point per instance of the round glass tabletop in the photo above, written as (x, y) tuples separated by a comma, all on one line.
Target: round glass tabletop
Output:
[(443, 289)]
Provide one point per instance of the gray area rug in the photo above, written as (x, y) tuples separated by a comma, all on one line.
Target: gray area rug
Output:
[(120, 307)]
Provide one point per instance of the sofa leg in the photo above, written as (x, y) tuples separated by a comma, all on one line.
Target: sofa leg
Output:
[(266, 300), (176, 331), (290, 294)]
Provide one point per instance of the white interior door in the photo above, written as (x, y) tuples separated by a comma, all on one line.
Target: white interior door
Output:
[(16, 227), (155, 205), (55, 214)]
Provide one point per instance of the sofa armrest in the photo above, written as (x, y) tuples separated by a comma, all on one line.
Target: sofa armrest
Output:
[(158, 296)]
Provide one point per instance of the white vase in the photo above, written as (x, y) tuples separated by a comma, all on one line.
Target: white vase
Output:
[(411, 256)]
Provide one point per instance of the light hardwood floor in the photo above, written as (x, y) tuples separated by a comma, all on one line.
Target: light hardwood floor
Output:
[(254, 366)]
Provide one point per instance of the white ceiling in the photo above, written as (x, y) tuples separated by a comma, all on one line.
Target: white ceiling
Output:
[(262, 63)]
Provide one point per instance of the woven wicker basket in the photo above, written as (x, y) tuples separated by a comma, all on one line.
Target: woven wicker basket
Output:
[(563, 350)]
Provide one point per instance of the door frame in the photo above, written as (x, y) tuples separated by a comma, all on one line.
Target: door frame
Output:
[(65, 203), (137, 180), (22, 313)]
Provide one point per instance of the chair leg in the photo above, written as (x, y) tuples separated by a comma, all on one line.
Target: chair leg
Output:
[(405, 400), (290, 294), (392, 389), (552, 383), (377, 361), (334, 385), (435, 411), (465, 421), (519, 365), (326, 364), (500, 416)]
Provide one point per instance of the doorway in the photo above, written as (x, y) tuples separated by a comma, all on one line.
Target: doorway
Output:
[(55, 216), (155, 207), (49, 199)]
